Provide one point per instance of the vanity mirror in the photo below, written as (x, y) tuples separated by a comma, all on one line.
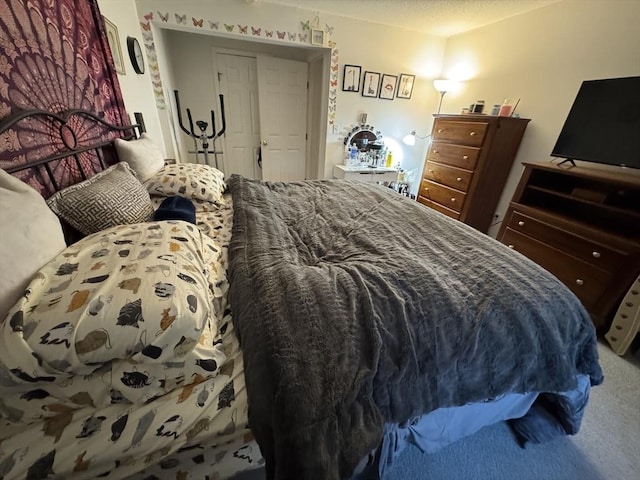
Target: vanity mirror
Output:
[(365, 137)]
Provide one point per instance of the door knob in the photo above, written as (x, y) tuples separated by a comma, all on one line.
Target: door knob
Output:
[(264, 142)]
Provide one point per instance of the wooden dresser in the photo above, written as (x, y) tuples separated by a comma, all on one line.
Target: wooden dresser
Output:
[(583, 225), (467, 165)]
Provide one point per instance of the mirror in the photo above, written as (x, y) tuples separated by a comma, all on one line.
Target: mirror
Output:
[(365, 138)]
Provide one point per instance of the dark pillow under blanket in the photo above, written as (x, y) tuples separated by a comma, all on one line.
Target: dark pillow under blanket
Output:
[(176, 208)]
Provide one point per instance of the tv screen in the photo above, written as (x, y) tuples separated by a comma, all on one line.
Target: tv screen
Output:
[(603, 124)]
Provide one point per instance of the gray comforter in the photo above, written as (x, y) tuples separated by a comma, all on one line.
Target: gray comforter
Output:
[(356, 306)]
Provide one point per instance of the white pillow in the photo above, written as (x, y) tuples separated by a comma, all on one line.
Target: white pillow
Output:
[(30, 234), (143, 156)]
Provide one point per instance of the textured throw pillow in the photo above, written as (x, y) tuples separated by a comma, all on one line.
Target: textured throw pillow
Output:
[(30, 235), (112, 197), (143, 156), (188, 180)]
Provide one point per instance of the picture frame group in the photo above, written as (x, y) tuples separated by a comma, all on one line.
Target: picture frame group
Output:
[(376, 84)]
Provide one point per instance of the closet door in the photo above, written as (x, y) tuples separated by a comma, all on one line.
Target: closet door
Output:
[(238, 83), (282, 92)]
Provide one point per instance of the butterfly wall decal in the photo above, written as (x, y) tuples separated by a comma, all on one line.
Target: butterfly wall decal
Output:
[(328, 29), (280, 35), (214, 25), (229, 28), (269, 33), (334, 83), (181, 18), (256, 31), (243, 28), (164, 17), (145, 26), (305, 25), (197, 22), (291, 36), (302, 38), (149, 16)]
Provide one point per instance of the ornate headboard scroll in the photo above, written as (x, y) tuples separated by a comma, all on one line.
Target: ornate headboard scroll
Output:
[(58, 149)]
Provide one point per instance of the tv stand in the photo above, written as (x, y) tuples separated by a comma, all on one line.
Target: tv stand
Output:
[(570, 160), (583, 225)]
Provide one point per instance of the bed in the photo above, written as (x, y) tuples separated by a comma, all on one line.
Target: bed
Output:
[(310, 328)]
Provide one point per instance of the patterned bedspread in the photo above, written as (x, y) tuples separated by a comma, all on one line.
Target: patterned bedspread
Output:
[(156, 392), (356, 306)]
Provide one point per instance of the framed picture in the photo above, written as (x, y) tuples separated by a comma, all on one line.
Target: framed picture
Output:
[(351, 78), (388, 86), (371, 84), (114, 45), (405, 85), (317, 36)]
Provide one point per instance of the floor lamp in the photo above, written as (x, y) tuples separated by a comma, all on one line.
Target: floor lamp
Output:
[(443, 86)]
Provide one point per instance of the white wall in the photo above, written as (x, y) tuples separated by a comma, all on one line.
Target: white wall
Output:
[(374, 47), (542, 57), (137, 90)]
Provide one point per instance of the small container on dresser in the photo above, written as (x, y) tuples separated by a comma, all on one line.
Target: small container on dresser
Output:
[(583, 225), (467, 165)]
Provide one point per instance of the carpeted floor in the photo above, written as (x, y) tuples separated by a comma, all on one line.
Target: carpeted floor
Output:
[(606, 448)]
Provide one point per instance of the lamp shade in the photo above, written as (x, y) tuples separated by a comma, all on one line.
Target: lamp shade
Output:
[(443, 85), (410, 139)]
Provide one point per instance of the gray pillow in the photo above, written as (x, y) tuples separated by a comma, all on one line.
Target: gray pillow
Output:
[(112, 197), (143, 156)]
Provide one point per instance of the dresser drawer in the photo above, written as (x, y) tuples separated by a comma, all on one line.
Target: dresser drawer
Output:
[(384, 176), (464, 133), (450, 176), (449, 197), (436, 206), (585, 280), (454, 155), (586, 250)]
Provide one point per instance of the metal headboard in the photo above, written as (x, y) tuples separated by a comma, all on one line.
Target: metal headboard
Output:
[(59, 149)]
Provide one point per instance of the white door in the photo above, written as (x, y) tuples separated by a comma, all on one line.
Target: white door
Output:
[(238, 83), (282, 92)]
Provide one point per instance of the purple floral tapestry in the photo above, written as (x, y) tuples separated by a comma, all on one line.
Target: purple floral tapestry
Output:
[(54, 56)]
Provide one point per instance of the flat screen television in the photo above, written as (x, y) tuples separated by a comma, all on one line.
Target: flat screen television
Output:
[(603, 124)]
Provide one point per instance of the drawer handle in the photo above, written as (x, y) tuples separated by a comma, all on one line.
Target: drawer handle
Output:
[(521, 223), (453, 199), (459, 179), (465, 157), (473, 134), (440, 130), (430, 171), (511, 246), (364, 173), (579, 281), (596, 254), (435, 151)]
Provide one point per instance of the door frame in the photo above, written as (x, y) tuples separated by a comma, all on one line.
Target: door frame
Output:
[(317, 103)]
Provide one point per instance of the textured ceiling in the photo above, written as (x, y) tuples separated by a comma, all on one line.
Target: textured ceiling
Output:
[(435, 17)]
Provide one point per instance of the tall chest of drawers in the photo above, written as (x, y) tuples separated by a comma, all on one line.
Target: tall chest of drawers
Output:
[(583, 225), (467, 165)]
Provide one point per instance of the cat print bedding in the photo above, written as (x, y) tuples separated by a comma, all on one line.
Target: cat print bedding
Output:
[(161, 387)]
